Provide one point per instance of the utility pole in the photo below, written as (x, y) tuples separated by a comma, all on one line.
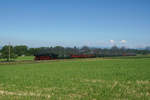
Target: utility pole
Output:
[(9, 52)]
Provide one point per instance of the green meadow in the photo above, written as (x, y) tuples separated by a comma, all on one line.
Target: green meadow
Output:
[(21, 58), (77, 79)]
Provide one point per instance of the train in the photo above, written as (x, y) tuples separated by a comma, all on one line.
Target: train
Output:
[(53, 56)]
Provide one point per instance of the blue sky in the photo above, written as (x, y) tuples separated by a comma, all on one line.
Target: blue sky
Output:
[(100, 23)]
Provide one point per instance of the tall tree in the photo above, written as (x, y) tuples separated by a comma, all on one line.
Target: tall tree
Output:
[(20, 50), (8, 52), (32, 51)]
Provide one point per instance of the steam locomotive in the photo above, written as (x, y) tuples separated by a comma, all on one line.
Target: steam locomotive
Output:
[(53, 56)]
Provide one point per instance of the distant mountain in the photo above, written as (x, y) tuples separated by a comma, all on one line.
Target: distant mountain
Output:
[(140, 48), (148, 48)]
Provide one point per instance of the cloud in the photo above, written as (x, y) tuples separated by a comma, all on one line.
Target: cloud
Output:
[(123, 41), (112, 41)]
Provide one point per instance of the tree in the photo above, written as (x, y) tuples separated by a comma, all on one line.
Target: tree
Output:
[(59, 50), (0, 55), (32, 51), (96, 51), (21, 50), (85, 50), (68, 51), (8, 52), (76, 50), (114, 50)]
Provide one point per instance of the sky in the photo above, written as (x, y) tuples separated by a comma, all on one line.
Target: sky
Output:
[(95, 23)]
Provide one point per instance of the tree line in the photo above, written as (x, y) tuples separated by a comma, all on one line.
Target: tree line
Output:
[(23, 50)]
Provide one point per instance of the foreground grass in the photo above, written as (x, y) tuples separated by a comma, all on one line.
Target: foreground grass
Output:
[(86, 79)]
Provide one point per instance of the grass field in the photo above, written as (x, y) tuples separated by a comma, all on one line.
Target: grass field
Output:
[(21, 58), (85, 79), (25, 58)]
